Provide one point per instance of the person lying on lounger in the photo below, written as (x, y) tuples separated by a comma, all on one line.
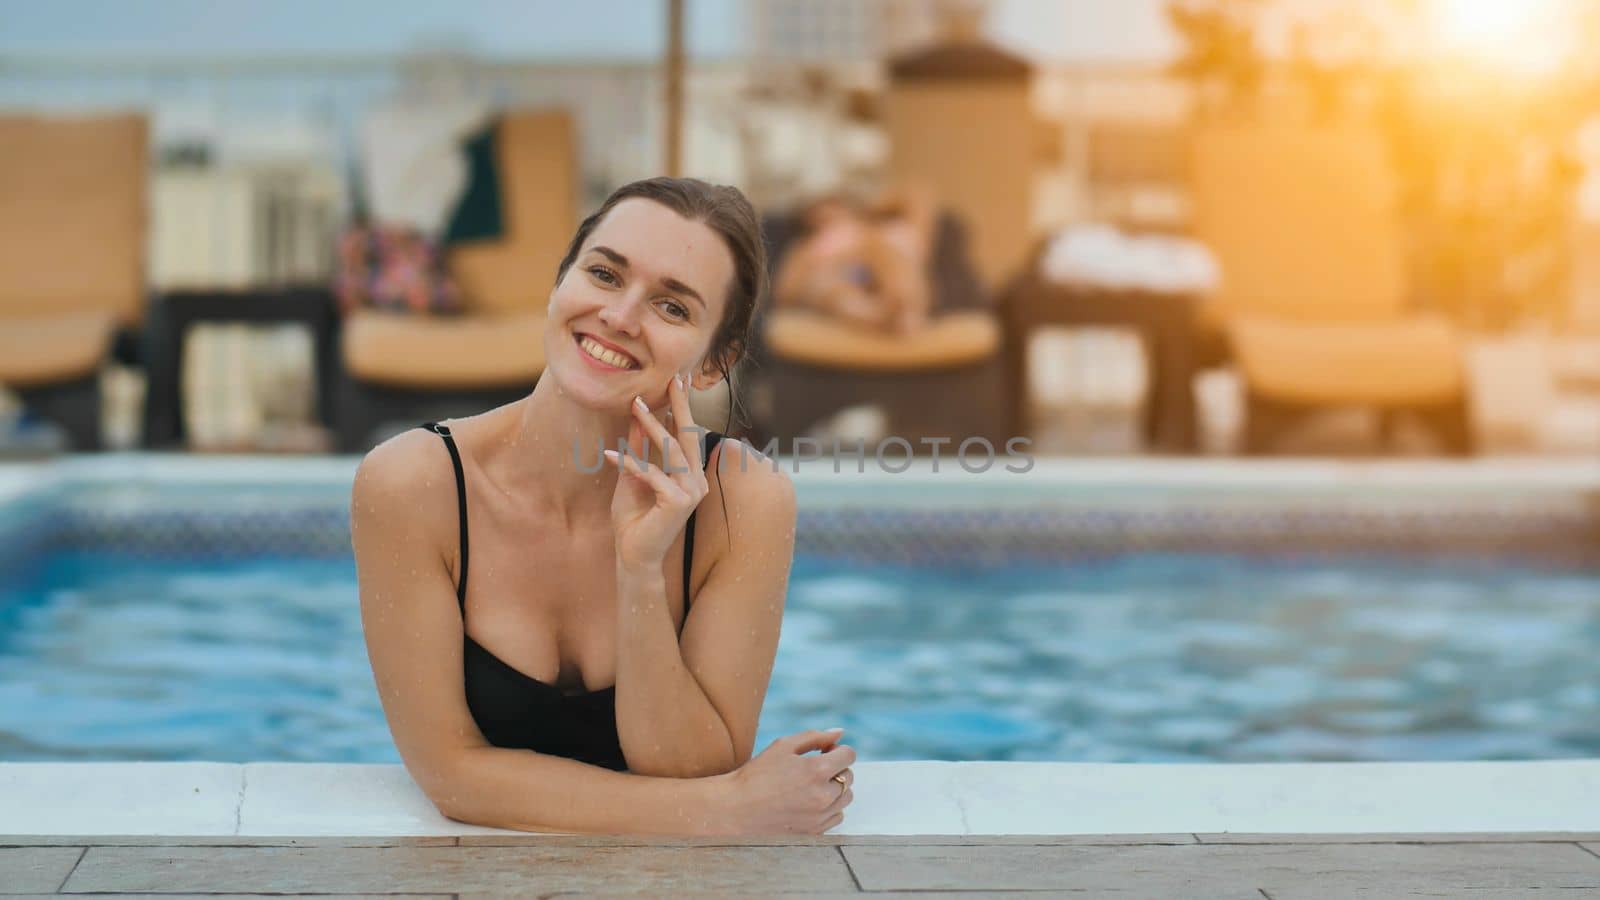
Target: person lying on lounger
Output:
[(604, 666), (866, 264)]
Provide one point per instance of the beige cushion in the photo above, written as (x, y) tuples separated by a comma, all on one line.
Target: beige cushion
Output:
[(72, 238), (444, 352), (536, 158), (1408, 361), (44, 349), (952, 340), (1303, 222)]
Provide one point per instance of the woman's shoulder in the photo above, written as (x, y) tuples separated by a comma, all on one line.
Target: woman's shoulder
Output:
[(748, 478), (406, 475)]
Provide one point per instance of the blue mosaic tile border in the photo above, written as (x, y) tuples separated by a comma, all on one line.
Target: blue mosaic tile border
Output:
[(29, 529), (1568, 532), (1001, 536)]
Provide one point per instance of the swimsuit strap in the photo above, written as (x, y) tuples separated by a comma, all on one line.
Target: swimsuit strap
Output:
[(708, 441), (461, 506)]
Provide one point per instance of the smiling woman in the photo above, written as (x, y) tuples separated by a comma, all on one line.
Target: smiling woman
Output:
[(596, 673)]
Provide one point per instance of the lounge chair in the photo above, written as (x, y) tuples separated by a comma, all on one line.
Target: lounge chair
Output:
[(399, 368), (946, 381), (72, 253), (1314, 296)]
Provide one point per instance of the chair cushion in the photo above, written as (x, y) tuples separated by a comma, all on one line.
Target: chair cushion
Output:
[(1415, 360), (38, 350), (1303, 222), (949, 341), (443, 353), (73, 235), (536, 152)]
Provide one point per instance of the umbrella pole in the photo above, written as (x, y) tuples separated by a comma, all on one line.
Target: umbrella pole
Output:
[(674, 88)]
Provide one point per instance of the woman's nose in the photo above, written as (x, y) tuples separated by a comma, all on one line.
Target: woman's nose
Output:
[(621, 315)]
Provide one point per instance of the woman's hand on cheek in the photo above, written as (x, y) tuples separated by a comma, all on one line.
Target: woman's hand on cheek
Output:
[(652, 503)]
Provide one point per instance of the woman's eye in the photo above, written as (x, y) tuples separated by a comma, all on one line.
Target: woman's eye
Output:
[(603, 273), (676, 310)]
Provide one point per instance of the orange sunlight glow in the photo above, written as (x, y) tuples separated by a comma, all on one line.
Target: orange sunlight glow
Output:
[(1521, 35)]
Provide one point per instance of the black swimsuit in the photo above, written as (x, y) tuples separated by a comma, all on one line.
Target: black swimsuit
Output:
[(514, 709)]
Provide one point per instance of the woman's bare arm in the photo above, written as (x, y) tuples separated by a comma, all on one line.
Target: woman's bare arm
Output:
[(403, 527), (693, 710)]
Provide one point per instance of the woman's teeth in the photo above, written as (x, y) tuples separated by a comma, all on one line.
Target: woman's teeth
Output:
[(605, 354)]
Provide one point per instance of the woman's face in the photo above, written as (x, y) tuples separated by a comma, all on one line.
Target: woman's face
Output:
[(640, 303)]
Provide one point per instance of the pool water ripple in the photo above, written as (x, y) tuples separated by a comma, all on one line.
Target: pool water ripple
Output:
[(1137, 658)]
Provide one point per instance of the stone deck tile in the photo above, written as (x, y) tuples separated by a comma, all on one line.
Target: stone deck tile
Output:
[(1301, 866), (309, 799), (232, 895), (842, 895), (1062, 798), (830, 839), (212, 840), (1282, 871), (62, 798), (520, 870), (1406, 837), (29, 870)]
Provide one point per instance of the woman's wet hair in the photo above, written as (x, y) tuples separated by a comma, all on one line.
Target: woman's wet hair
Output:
[(724, 210)]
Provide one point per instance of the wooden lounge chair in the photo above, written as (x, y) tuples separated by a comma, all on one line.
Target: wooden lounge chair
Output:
[(72, 253), (1314, 295), (946, 381), (399, 368)]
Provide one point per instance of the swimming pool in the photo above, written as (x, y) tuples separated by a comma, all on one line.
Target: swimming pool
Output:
[(158, 613)]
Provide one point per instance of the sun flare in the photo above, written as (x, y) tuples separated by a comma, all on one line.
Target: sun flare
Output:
[(1519, 34)]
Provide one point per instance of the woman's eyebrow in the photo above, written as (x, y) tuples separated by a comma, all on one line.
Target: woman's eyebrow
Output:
[(612, 255), (678, 287), (670, 283)]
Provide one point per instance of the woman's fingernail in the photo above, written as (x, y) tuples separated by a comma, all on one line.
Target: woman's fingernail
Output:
[(639, 402), (841, 728)]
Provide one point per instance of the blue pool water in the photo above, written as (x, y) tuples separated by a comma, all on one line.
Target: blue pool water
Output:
[(1139, 658)]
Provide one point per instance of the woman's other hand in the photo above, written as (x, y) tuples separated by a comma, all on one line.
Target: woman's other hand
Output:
[(784, 791), (651, 503)]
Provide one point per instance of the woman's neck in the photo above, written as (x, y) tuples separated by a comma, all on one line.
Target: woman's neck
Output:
[(546, 447)]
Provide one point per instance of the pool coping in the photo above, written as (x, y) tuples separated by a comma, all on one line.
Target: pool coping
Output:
[(1562, 487), (1166, 471), (301, 800)]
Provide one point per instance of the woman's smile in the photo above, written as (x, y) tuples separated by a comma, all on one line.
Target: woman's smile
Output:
[(604, 356)]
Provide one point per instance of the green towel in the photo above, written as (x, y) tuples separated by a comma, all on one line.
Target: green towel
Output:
[(478, 215)]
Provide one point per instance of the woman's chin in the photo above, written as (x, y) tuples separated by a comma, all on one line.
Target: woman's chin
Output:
[(593, 395)]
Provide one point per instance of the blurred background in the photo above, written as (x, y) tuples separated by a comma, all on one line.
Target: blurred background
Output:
[(1157, 226)]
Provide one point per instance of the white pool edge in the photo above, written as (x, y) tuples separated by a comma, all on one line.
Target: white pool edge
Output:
[(892, 798), (1579, 473)]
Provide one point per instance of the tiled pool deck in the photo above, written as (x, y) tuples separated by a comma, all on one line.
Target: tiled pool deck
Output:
[(1275, 867), (1489, 829)]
